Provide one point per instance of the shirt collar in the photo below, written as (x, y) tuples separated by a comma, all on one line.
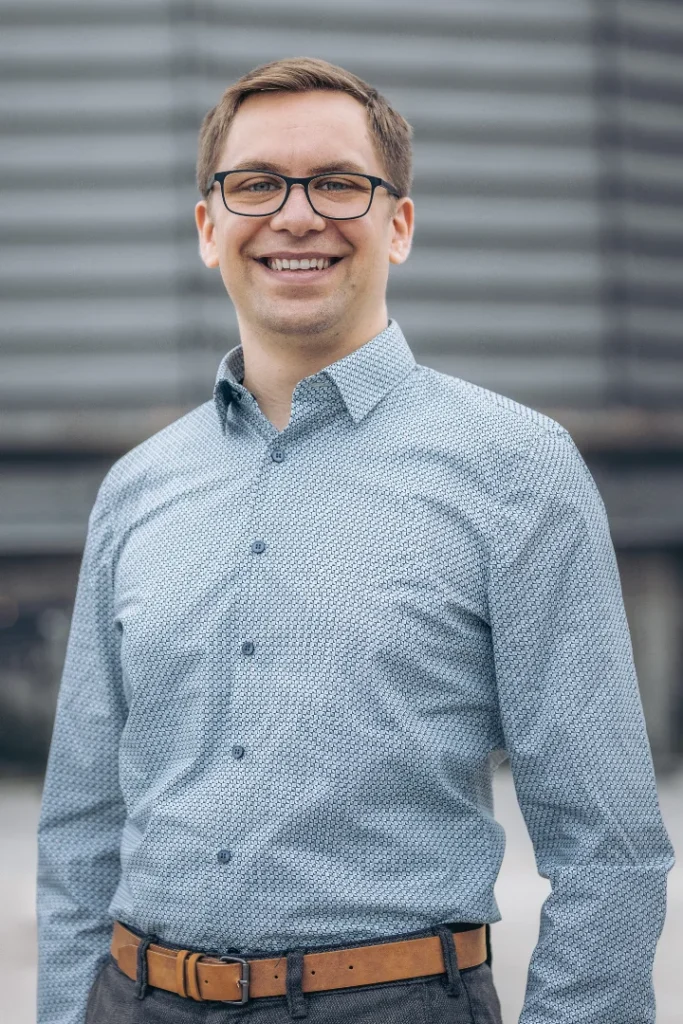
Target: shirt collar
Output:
[(363, 377)]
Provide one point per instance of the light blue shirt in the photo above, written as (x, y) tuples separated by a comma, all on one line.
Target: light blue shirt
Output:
[(296, 658)]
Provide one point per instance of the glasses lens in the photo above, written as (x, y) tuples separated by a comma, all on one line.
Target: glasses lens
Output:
[(249, 192), (340, 195)]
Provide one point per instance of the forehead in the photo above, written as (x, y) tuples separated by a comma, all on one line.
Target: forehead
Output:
[(300, 131)]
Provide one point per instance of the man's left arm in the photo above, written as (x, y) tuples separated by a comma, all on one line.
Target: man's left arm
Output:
[(579, 753)]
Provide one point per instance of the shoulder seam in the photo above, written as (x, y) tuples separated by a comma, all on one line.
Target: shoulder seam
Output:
[(524, 413)]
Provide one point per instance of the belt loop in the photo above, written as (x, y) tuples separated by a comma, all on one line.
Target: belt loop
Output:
[(192, 980), (180, 983), (450, 958), (141, 969), (296, 1001), (489, 947)]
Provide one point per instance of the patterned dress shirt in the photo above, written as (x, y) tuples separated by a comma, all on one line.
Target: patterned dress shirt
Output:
[(295, 660)]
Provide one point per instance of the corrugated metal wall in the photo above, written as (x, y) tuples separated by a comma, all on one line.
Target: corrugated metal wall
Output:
[(548, 185), (547, 263)]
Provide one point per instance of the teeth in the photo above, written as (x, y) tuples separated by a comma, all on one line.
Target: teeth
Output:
[(310, 264)]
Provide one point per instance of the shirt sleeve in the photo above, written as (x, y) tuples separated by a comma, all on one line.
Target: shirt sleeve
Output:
[(579, 754), (82, 810)]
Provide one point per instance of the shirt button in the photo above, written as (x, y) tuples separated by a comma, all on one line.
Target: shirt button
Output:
[(258, 546), (277, 455), (238, 751), (247, 647), (223, 856)]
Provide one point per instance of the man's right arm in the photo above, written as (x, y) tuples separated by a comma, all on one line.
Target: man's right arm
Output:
[(82, 810)]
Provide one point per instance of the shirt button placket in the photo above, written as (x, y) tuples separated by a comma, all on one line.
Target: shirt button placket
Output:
[(257, 547)]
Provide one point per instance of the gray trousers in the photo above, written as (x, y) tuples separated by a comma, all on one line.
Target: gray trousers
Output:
[(457, 997)]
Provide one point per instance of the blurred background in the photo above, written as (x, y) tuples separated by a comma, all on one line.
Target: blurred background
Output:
[(547, 266)]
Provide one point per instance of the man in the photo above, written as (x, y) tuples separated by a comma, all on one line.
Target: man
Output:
[(313, 615)]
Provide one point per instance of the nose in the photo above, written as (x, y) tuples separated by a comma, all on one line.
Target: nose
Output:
[(297, 215)]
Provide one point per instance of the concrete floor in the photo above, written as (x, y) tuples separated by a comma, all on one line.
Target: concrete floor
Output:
[(519, 891)]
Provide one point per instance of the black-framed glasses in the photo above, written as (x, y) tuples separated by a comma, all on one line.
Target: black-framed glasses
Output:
[(340, 195)]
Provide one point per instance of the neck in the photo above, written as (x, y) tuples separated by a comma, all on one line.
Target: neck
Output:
[(275, 363)]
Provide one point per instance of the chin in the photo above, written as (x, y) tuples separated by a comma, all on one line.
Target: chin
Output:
[(299, 322)]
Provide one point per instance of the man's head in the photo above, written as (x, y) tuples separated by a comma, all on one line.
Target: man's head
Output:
[(297, 117)]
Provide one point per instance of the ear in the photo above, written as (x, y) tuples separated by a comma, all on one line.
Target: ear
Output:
[(402, 225), (207, 234)]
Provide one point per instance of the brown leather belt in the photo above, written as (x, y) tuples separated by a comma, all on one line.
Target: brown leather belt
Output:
[(235, 980)]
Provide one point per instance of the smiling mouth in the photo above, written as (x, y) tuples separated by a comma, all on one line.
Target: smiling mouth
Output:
[(304, 267)]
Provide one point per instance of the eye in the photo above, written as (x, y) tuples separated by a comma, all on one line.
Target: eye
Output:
[(260, 186), (334, 185), (247, 184), (342, 184)]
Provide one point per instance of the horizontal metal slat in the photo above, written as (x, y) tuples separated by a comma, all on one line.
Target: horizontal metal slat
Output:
[(96, 210), (488, 16), (98, 429), (659, 170), (659, 273), (638, 113), (524, 13), (666, 16), (491, 109), (57, 266), (658, 379), (367, 53), (532, 380), (46, 508), (81, 155), (104, 99), (101, 377), (460, 268), (23, 48), (660, 323), (97, 323), (33, 12)]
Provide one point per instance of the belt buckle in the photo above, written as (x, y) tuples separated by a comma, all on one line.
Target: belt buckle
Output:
[(243, 981)]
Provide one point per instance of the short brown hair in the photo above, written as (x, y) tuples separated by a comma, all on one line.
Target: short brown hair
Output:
[(390, 133)]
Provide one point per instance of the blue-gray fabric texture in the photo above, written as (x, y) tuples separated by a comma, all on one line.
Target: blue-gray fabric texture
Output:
[(290, 743)]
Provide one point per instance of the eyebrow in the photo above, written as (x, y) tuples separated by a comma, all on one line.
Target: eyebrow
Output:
[(267, 165)]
